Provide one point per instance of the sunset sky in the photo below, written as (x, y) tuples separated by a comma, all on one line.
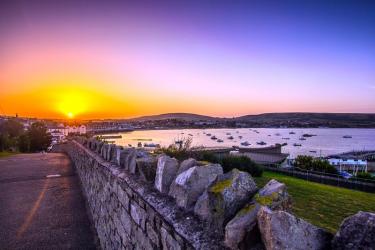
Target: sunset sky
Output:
[(109, 59)]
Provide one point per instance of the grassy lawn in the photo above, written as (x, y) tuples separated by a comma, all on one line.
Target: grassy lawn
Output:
[(5, 154), (322, 205)]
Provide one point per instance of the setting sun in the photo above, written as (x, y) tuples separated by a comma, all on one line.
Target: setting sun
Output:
[(72, 103)]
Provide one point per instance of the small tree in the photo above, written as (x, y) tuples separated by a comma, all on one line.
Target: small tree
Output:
[(10, 130), (24, 143), (39, 138), (180, 150), (304, 162), (309, 163), (12, 127)]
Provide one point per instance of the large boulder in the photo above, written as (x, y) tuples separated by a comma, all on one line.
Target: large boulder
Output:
[(222, 200), (274, 195), (127, 159), (281, 230), (242, 231), (146, 168), (186, 164), (190, 184), (166, 172), (356, 232)]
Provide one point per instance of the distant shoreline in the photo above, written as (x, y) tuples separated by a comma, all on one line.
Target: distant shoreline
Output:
[(181, 128)]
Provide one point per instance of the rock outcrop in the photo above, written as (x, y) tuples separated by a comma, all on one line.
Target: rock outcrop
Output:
[(242, 231), (274, 195), (146, 168), (127, 159), (356, 232), (228, 194), (166, 172), (186, 164), (190, 184), (281, 230)]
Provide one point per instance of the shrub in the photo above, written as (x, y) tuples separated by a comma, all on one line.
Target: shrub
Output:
[(242, 163), (303, 162), (207, 156), (181, 150), (366, 176), (309, 163)]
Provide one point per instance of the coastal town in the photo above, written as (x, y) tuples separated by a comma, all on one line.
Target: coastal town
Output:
[(348, 164)]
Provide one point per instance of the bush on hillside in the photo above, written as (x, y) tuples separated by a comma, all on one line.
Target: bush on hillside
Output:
[(313, 164), (181, 150), (366, 176), (242, 163)]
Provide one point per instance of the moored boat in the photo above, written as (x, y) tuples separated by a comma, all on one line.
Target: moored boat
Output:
[(261, 143)]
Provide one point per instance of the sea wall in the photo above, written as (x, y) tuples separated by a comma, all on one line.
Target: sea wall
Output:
[(128, 213)]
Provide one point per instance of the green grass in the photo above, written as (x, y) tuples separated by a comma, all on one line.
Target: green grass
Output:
[(6, 153), (322, 205)]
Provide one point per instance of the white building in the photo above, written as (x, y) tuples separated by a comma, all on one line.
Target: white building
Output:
[(349, 164), (60, 132)]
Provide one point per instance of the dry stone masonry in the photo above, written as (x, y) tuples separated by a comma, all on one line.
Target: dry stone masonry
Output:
[(138, 200)]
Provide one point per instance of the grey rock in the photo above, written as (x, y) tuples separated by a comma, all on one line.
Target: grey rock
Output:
[(113, 153), (118, 154), (166, 172), (146, 168), (274, 195), (105, 151), (99, 145), (127, 159), (242, 231), (356, 232), (281, 230), (142, 153), (190, 184), (222, 200), (186, 164)]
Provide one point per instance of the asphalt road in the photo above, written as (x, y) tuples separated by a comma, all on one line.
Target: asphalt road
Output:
[(37, 212)]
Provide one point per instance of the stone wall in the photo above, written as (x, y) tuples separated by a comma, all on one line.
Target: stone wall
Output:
[(142, 201), (128, 213)]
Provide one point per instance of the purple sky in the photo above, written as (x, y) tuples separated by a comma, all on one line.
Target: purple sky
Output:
[(217, 58)]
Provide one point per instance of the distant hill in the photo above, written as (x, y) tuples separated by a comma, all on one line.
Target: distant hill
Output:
[(294, 119), (313, 119), (181, 116)]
